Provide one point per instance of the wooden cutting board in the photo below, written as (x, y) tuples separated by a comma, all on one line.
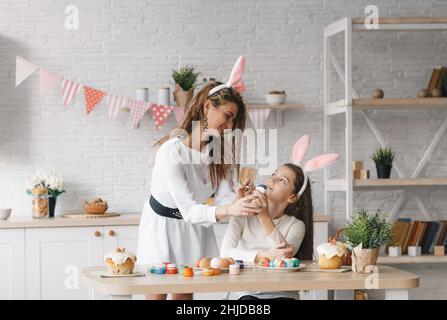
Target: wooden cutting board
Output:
[(88, 215)]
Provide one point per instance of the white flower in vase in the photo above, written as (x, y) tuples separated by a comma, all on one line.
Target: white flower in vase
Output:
[(49, 180)]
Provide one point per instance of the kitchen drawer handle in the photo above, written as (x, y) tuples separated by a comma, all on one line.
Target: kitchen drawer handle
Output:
[(111, 233), (97, 233)]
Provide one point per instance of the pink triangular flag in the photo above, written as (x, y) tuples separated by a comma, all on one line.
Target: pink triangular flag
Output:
[(179, 113), (24, 69), (69, 90), (115, 103), (92, 97), (47, 81), (259, 117), (137, 110), (160, 114)]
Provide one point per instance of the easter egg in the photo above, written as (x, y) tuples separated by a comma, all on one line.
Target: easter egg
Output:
[(264, 262), (296, 262), (288, 263)]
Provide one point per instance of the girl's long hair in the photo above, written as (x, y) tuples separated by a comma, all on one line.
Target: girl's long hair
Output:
[(195, 112), (302, 209)]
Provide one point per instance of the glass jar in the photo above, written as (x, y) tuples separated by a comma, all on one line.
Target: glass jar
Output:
[(40, 203)]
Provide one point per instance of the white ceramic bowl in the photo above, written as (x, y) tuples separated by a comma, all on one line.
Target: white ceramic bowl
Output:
[(5, 213), (274, 99)]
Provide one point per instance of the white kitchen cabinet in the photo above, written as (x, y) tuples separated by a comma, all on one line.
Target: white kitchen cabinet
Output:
[(12, 266), (54, 258)]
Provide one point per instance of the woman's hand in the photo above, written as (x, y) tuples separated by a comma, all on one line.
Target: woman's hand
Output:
[(243, 190), (240, 207)]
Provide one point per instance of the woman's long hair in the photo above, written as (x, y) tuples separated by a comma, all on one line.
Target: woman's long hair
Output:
[(195, 112), (302, 209)]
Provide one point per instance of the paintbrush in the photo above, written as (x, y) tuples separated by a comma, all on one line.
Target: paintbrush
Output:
[(246, 177)]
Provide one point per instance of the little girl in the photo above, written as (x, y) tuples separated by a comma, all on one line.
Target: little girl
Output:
[(283, 228)]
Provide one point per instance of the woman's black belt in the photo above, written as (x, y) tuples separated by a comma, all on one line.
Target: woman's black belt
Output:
[(164, 211)]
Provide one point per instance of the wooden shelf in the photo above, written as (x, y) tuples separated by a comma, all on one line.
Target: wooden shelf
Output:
[(403, 24), (428, 258), (289, 106), (404, 20), (399, 103), (398, 183)]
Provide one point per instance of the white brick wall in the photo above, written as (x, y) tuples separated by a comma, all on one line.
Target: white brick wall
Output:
[(121, 46)]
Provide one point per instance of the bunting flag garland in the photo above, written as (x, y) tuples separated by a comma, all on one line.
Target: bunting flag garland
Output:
[(92, 98), (115, 103), (24, 69), (259, 117), (69, 90), (160, 114), (179, 113), (47, 81), (137, 111)]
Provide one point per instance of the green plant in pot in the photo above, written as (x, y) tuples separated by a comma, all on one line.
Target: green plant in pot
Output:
[(185, 81), (366, 233), (383, 158)]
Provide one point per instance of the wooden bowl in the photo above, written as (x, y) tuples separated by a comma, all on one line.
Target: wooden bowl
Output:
[(92, 209)]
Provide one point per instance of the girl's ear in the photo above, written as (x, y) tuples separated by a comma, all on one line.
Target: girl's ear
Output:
[(292, 198)]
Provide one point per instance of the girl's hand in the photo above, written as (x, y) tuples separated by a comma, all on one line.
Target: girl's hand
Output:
[(261, 201), (283, 250), (242, 207)]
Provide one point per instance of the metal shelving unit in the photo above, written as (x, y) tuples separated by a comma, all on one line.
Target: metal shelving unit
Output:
[(352, 102)]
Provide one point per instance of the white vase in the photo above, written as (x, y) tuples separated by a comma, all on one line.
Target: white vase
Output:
[(142, 94), (414, 251), (395, 251), (163, 96)]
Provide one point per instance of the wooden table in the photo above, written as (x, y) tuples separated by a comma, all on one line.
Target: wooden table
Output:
[(395, 282)]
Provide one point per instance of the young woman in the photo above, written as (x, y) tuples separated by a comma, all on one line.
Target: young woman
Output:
[(175, 224), (282, 229)]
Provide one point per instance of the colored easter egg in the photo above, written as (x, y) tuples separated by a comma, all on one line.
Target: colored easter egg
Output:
[(296, 262)]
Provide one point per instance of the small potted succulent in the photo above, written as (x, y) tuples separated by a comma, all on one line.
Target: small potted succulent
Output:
[(383, 158), (366, 233), (275, 97), (185, 81)]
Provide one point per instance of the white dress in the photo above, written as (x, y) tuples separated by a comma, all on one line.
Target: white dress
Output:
[(180, 179)]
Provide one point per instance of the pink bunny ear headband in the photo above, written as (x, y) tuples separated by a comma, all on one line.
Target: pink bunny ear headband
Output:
[(299, 151), (235, 80)]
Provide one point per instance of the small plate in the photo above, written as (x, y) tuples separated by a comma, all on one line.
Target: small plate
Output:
[(315, 268), (282, 269), (108, 274)]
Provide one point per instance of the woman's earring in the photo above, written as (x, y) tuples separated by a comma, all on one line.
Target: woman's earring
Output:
[(205, 124)]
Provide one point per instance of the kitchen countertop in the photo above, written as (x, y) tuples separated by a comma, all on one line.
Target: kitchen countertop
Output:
[(125, 219)]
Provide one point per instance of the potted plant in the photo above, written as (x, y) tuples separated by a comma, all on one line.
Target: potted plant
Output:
[(366, 233), (185, 80), (50, 181), (383, 158)]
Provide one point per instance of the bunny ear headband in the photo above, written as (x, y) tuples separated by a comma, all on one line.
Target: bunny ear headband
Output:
[(235, 80), (299, 151)]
